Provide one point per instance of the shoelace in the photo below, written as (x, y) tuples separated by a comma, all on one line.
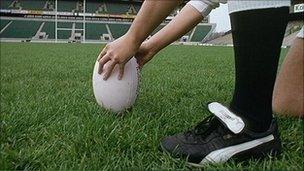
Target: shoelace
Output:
[(203, 128)]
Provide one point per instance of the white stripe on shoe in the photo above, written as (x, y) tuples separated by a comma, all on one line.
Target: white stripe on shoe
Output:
[(224, 154)]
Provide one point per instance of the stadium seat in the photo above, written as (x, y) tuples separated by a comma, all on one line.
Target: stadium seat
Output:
[(21, 29), (64, 25), (137, 7), (3, 23), (66, 6), (49, 29), (5, 4), (79, 6), (49, 6), (33, 4), (200, 33), (96, 7), (64, 34), (16, 4), (92, 6), (119, 30), (122, 8), (95, 30), (78, 25), (118, 8)]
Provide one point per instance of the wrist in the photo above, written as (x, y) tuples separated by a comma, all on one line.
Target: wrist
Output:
[(153, 45), (133, 39)]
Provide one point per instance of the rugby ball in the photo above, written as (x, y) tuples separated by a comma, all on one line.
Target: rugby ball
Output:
[(113, 94)]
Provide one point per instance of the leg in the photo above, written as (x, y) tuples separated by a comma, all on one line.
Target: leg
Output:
[(257, 38), (247, 129), (288, 90)]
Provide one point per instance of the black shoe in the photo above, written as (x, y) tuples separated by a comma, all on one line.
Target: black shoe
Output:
[(222, 137)]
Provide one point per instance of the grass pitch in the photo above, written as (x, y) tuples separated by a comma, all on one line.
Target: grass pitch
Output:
[(50, 120)]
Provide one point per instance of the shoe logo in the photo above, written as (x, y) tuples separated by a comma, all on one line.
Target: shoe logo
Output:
[(233, 122), (225, 115)]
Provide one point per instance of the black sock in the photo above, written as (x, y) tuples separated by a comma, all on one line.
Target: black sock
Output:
[(257, 37)]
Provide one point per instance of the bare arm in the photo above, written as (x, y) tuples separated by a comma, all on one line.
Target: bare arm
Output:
[(186, 20), (151, 14)]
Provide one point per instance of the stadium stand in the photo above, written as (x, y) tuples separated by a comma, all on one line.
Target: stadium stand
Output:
[(290, 34), (288, 40), (94, 31), (33, 4), (37, 25), (5, 4), (225, 39), (79, 7), (200, 33), (72, 6), (132, 10), (119, 8), (79, 25), (49, 29), (292, 30), (137, 7), (64, 34), (66, 6), (93, 7), (27, 4), (293, 26), (49, 5), (64, 25), (21, 29), (119, 30), (16, 4), (3, 23)]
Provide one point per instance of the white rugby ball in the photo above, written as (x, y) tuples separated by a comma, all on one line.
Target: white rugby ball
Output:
[(113, 94)]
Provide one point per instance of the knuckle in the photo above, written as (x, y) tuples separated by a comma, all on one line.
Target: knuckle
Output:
[(116, 59), (101, 61), (110, 53)]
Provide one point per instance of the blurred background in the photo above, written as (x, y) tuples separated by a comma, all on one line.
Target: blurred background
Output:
[(94, 21)]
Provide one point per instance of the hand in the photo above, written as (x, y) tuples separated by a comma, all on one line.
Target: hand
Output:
[(144, 54), (118, 52)]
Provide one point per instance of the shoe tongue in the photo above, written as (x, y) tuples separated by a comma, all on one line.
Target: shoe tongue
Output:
[(234, 123)]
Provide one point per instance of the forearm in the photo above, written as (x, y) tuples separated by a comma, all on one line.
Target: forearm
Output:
[(151, 14), (186, 20)]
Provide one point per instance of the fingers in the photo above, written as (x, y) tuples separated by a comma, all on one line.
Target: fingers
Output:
[(111, 64), (106, 58), (121, 71), (102, 62), (102, 53), (102, 59)]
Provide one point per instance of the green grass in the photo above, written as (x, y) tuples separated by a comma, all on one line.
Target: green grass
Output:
[(50, 120)]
